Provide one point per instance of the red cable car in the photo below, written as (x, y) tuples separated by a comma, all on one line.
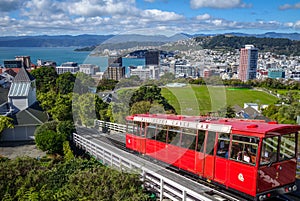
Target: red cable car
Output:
[(252, 157)]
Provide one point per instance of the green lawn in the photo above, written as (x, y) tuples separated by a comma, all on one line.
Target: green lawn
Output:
[(195, 99)]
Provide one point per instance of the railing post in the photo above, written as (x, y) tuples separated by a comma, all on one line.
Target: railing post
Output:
[(161, 191), (184, 195)]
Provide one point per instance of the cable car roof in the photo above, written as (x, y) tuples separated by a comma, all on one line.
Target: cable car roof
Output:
[(257, 128)]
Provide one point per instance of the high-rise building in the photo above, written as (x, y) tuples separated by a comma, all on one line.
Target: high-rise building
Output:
[(115, 72), (152, 57), (115, 59), (25, 60), (248, 63)]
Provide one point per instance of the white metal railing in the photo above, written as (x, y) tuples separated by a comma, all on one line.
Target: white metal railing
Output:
[(110, 126), (165, 187)]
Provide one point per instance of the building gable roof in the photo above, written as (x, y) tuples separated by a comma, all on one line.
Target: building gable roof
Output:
[(23, 76), (34, 115)]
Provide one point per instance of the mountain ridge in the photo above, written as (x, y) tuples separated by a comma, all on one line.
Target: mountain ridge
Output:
[(84, 40)]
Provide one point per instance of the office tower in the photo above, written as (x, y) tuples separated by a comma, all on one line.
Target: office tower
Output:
[(115, 60), (152, 58), (248, 63), (115, 70), (25, 60)]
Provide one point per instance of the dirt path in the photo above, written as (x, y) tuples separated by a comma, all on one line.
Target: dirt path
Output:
[(17, 149)]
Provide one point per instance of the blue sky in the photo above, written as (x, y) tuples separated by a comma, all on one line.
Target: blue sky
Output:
[(74, 17)]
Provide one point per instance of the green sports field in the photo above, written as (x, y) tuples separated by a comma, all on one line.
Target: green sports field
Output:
[(198, 99)]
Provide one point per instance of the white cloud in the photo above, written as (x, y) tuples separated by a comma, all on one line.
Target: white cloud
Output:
[(290, 6), (150, 1), (54, 17), (101, 7), (203, 17), (158, 15), (297, 24), (195, 4)]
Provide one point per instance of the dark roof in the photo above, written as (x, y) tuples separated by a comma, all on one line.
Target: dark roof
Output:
[(251, 112), (11, 72), (3, 95), (23, 76), (34, 115), (237, 108)]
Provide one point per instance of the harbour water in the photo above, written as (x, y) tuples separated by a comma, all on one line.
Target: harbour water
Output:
[(61, 55)]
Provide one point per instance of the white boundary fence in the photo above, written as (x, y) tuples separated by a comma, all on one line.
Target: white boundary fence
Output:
[(110, 126)]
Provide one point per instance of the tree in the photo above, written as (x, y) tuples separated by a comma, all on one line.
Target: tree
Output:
[(65, 83), (71, 179), (50, 141), (152, 94), (50, 136), (101, 109), (62, 109), (106, 84), (226, 112), (85, 108), (47, 99), (83, 83), (65, 128), (45, 78), (141, 107)]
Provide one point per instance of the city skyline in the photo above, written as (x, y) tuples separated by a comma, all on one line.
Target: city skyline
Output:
[(166, 17)]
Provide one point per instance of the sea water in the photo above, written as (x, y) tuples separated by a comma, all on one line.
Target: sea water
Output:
[(61, 55)]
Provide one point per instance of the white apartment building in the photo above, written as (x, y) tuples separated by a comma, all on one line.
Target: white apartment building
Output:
[(143, 74), (89, 69), (71, 67)]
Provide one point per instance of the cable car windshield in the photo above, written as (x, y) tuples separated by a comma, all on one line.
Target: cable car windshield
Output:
[(278, 148), (287, 146)]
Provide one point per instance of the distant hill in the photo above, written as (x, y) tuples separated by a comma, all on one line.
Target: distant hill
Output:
[(53, 41), (82, 40), (291, 36), (231, 42), (94, 40)]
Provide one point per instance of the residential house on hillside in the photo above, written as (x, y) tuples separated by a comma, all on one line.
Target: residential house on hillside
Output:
[(23, 107), (7, 77), (250, 111)]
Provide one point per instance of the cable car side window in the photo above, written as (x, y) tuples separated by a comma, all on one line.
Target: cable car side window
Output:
[(287, 146), (244, 149), (269, 150), (133, 128), (150, 133), (188, 139), (173, 134), (223, 145), (161, 133), (200, 143), (137, 128), (210, 143), (129, 128)]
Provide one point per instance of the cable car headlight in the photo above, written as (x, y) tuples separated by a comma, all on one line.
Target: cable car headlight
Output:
[(262, 197), (294, 187)]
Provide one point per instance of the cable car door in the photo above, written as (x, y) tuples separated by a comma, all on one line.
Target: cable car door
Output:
[(209, 160)]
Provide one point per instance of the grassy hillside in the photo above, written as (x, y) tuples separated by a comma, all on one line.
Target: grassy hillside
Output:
[(195, 100)]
